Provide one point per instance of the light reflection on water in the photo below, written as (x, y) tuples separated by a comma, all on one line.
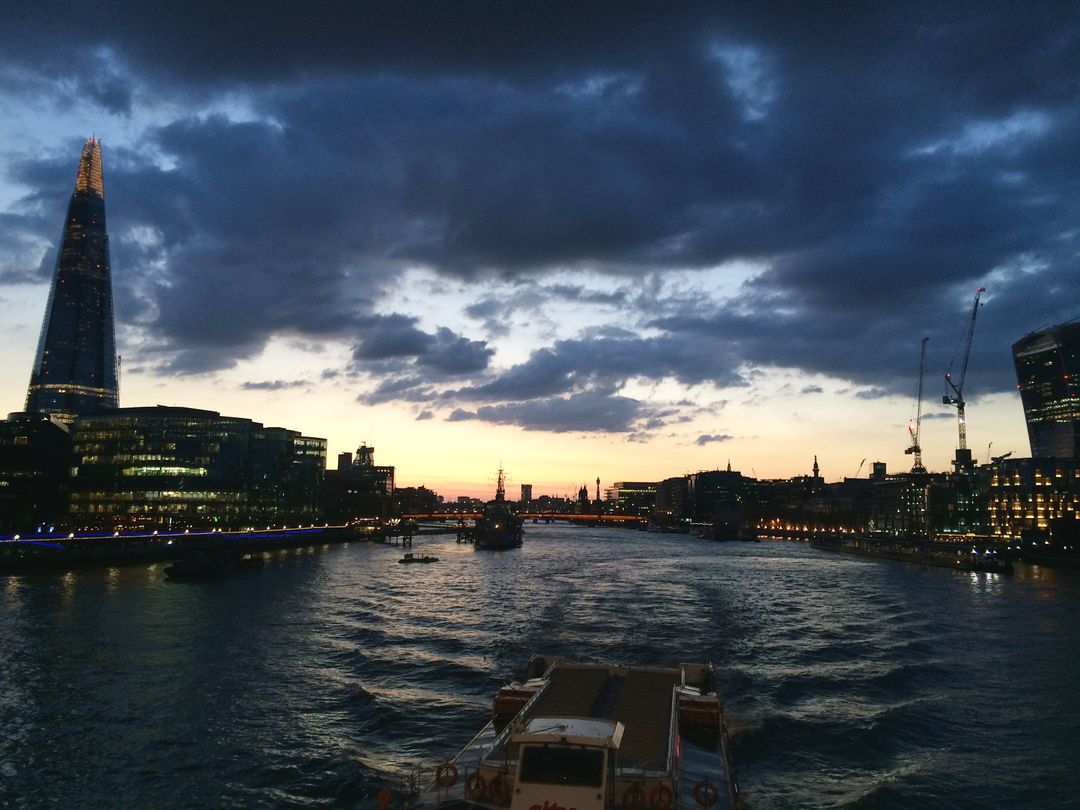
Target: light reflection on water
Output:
[(331, 670)]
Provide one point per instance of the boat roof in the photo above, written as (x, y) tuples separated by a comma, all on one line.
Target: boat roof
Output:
[(639, 698), (572, 731)]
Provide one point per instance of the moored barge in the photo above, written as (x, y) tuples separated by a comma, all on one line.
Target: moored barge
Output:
[(593, 737), (957, 556)]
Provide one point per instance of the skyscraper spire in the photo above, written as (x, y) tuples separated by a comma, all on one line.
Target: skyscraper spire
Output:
[(88, 177), (75, 366)]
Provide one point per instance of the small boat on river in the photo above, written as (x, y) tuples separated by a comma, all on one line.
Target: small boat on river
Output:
[(411, 558), (204, 565), (595, 737)]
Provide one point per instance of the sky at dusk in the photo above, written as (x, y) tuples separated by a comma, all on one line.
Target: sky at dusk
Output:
[(580, 240)]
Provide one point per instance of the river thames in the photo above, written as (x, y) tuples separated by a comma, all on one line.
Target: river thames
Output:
[(335, 670)]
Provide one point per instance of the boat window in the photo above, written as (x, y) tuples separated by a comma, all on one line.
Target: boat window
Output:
[(553, 765)]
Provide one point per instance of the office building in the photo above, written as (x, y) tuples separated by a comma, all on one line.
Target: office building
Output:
[(184, 468), (75, 367), (35, 453), (358, 487), (1034, 498), (633, 497), (1048, 376)]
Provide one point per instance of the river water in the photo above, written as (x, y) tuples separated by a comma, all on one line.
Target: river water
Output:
[(333, 671)]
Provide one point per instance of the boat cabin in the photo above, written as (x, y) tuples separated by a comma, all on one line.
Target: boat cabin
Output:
[(565, 762), (594, 737)]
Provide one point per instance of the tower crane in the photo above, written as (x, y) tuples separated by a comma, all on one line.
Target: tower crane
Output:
[(957, 397), (916, 448)]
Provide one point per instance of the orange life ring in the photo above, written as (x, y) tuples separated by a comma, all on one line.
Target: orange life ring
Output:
[(661, 797), (446, 774), (706, 793), (475, 785), (634, 797)]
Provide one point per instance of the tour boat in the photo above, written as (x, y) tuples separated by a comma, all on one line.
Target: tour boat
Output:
[(595, 737)]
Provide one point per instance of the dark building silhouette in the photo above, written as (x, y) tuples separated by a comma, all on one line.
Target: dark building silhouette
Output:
[(35, 462), (358, 488), (75, 366), (1048, 376), (415, 501)]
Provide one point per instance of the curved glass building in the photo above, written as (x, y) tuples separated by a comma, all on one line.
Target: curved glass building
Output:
[(1048, 376)]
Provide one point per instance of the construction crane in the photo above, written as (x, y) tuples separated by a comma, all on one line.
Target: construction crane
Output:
[(957, 397), (861, 463), (916, 448)]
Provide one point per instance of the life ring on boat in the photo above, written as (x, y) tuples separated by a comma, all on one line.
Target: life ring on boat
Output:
[(634, 797), (661, 797), (706, 793), (475, 785), (499, 789), (446, 774)]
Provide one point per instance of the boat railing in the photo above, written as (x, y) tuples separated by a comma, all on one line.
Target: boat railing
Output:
[(472, 756), (504, 736), (672, 729)]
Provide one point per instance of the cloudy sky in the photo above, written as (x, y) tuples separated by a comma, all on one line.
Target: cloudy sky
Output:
[(614, 240)]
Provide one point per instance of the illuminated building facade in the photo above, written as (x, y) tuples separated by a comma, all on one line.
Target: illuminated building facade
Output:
[(1029, 497), (178, 468), (75, 367), (633, 497), (1048, 376)]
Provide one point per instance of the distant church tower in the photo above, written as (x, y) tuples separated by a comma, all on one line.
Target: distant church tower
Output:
[(75, 366)]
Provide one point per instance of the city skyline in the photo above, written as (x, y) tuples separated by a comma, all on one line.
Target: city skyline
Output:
[(574, 245)]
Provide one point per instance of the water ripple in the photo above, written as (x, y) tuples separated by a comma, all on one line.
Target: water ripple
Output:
[(335, 670)]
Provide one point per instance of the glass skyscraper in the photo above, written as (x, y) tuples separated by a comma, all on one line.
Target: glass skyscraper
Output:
[(1048, 376), (75, 366)]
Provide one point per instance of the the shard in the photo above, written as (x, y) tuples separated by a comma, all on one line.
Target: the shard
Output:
[(75, 367)]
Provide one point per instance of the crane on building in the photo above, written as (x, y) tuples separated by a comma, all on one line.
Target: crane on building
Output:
[(956, 399), (861, 463), (916, 448)]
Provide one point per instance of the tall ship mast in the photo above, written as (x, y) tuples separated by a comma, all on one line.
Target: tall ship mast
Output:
[(498, 527)]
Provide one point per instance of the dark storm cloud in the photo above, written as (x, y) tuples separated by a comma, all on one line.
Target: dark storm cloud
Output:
[(926, 416), (712, 439), (877, 162), (396, 338), (453, 354), (604, 364), (393, 336), (871, 393), (273, 385), (590, 411)]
